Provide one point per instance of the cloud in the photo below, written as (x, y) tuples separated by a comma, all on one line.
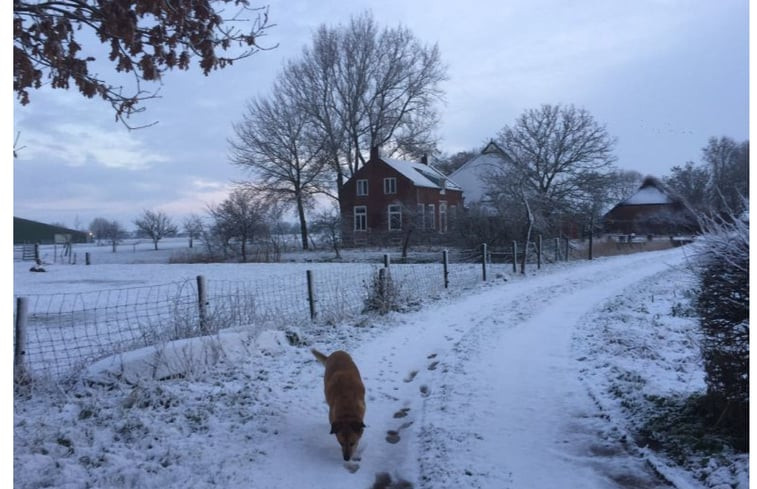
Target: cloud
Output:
[(80, 144)]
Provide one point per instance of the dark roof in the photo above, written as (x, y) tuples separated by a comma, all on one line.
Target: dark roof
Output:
[(28, 231)]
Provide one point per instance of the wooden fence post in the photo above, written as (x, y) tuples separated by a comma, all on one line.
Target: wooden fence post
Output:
[(19, 350), (311, 295), (557, 249), (567, 248), (445, 262), (382, 283), (515, 256), (483, 261), (202, 302), (386, 260), (538, 252), (86, 258)]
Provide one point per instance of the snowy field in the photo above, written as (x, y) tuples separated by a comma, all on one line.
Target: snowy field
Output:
[(519, 383)]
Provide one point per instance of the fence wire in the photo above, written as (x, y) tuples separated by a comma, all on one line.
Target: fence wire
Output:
[(65, 332)]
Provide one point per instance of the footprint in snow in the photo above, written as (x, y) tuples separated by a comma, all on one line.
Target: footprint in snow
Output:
[(411, 376), (425, 390), (401, 413), (433, 365), (392, 436)]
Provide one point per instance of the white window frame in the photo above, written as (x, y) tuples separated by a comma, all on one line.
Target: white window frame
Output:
[(442, 217), (360, 217), (390, 185), (394, 211), (362, 188)]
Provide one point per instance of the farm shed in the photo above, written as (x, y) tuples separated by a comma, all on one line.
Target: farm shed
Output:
[(26, 231), (652, 210), (388, 198)]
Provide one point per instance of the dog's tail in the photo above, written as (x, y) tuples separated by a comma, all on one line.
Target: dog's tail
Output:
[(319, 356)]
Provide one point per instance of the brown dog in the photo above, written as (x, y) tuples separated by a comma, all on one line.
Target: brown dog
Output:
[(345, 395)]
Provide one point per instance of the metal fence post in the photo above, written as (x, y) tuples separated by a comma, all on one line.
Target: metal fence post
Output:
[(202, 302), (445, 262), (19, 350), (483, 261), (538, 252), (311, 295)]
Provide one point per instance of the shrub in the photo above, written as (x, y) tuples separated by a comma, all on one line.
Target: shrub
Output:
[(723, 307), (383, 293)]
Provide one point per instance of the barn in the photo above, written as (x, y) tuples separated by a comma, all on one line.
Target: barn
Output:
[(653, 210), (388, 198), (26, 231)]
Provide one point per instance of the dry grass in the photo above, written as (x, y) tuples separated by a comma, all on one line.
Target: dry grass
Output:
[(611, 248)]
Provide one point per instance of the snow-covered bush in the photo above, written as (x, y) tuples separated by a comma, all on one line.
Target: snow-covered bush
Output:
[(383, 293), (723, 306)]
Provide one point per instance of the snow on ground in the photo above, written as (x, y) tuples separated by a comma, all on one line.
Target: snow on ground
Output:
[(506, 387)]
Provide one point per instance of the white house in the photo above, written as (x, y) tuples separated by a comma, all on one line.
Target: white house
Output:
[(474, 173)]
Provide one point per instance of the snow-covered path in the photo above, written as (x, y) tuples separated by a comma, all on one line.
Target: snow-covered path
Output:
[(483, 392)]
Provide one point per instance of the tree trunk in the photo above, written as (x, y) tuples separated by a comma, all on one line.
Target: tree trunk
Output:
[(406, 242), (528, 233), (155, 243), (303, 222), (244, 249)]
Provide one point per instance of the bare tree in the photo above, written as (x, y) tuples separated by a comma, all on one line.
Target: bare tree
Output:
[(276, 142), (146, 38), (329, 223), (99, 228), (558, 157), (109, 231), (364, 86), (193, 226), (690, 182), (155, 225), (242, 216), (728, 163)]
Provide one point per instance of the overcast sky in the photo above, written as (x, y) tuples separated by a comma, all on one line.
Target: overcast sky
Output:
[(662, 75)]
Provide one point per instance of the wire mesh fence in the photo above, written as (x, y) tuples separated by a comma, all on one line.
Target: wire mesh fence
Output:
[(63, 333)]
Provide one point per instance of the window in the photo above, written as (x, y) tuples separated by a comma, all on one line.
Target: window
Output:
[(430, 216), (362, 187), (419, 216), (395, 217), (390, 185), (360, 214), (442, 217)]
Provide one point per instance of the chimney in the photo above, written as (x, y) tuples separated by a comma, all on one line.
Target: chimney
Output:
[(424, 159), (374, 153)]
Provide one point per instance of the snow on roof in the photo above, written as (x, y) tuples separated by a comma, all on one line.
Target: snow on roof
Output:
[(421, 175), (647, 195)]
